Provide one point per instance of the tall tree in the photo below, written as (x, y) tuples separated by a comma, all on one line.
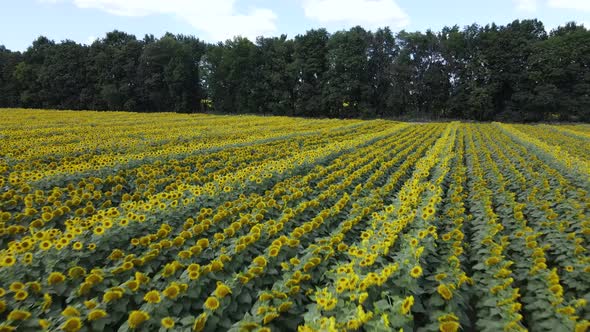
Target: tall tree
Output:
[(9, 87), (311, 63), (113, 63), (382, 52), (346, 88), (276, 77)]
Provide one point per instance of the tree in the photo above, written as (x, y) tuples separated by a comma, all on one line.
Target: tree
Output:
[(346, 87), (311, 63), (276, 78), (382, 52), (9, 87)]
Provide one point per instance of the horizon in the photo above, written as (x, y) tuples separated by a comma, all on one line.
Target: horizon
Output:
[(84, 21)]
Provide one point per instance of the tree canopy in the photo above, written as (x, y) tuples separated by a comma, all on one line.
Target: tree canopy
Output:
[(516, 72)]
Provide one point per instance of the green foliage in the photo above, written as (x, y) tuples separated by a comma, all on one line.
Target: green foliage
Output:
[(516, 72)]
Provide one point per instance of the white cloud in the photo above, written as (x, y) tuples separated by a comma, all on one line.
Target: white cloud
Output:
[(526, 5), (219, 19), (367, 13), (90, 40), (582, 5)]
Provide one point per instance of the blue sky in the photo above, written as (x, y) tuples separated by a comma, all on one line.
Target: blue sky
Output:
[(21, 21)]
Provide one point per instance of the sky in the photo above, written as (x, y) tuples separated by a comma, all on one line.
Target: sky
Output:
[(22, 21)]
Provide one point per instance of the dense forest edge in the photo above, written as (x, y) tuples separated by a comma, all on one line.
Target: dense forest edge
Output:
[(516, 72)]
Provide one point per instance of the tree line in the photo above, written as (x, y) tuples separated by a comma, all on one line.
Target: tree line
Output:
[(516, 72)]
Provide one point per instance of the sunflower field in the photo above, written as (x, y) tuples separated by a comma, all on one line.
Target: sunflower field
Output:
[(113, 221)]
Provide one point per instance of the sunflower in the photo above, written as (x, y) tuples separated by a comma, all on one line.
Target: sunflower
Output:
[(212, 303), (46, 216), (76, 272), (200, 322), (444, 292), (274, 251), (55, 278), (96, 314), (44, 324), (152, 297), (45, 245), (47, 301), (16, 286), (70, 311), (90, 304), (167, 322), (21, 295), (111, 296), (136, 318), (171, 291), (416, 271), (222, 290), (492, 261), (449, 326), (8, 261), (260, 261), (19, 315), (34, 286), (407, 305)]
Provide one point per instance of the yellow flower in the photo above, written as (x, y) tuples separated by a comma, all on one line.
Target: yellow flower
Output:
[(580, 303), (8, 261), (444, 292), (47, 301), (212, 303), (7, 328), (45, 245), (55, 278), (96, 314), (167, 322), (363, 297), (200, 322), (222, 290), (171, 291), (284, 307), (91, 304), (99, 230), (260, 261), (269, 317), (449, 326), (21, 295), (416, 271), (44, 324), (76, 272), (569, 310), (274, 251), (111, 296), (152, 297), (35, 286), (16, 286), (407, 305), (492, 260), (19, 315), (582, 326), (70, 311), (73, 324), (136, 318)]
